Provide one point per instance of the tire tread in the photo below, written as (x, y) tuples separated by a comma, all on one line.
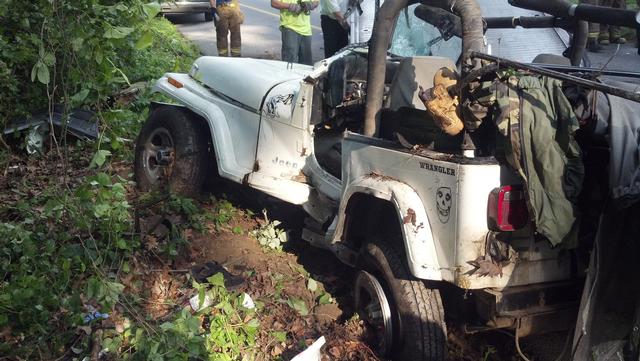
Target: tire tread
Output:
[(422, 301)]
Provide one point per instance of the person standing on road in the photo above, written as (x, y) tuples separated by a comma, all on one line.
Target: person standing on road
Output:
[(594, 30), (335, 29), (295, 25), (227, 18), (610, 34)]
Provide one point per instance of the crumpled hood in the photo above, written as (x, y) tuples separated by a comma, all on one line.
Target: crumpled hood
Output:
[(245, 80)]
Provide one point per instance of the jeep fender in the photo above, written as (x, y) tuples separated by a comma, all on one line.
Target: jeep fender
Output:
[(411, 215), (196, 98)]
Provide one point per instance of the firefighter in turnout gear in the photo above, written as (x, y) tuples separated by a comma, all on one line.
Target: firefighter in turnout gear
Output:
[(227, 18), (611, 34)]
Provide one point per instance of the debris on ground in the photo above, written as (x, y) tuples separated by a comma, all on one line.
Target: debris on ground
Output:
[(78, 122), (288, 296), (312, 353), (201, 272)]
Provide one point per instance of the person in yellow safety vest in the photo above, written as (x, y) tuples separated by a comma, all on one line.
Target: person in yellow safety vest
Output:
[(295, 26), (227, 18), (611, 34)]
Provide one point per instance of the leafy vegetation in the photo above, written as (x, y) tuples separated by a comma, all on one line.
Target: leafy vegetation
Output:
[(269, 236), (67, 232), (85, 261), (80, 52)]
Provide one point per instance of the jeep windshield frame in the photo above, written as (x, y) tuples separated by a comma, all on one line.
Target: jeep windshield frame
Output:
[(472, 40), (413, 36)]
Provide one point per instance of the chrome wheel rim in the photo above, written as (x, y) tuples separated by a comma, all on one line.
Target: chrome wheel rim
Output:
[(374, 309), (158, 154)]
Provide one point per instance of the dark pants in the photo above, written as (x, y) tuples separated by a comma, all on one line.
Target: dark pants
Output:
[(296, 48), (335, 36)]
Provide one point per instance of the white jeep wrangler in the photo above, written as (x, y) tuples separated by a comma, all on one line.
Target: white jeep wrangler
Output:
[(419, 223)]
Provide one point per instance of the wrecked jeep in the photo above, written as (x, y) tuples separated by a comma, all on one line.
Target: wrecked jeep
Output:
[(436, 174)]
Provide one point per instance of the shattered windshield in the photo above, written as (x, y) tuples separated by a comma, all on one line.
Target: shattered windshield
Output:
[(415, 37)]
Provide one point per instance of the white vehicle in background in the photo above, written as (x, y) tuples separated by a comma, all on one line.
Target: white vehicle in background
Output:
[(187, 7), (419, 223)]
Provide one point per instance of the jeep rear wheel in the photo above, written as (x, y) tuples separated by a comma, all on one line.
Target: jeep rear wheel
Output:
[(171, 153), (406, 316)]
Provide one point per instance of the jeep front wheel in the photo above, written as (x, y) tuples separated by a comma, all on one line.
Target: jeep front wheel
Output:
[(171, 153), (406, 317)]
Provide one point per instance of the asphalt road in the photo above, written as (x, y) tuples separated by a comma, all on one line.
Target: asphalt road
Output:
[(260, 31)]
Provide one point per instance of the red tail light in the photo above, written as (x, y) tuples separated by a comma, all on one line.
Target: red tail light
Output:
[(507, 209)]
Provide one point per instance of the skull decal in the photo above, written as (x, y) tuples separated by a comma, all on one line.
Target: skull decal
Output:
[(443, 203)]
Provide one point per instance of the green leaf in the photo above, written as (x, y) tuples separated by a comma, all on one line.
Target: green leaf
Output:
[(94, 288), (324, 299), (193, 324), (80, 96), (76, 44), (43, 73), (253, 323), (280, 336), (216, 280), (299, 305), (122, 244), (99, 158), (167, 326), (145, 41), (117, 32), (34, 71), (115, 288), (101, 210), (312, 285), (237, 230), (49, 59), (201, 296), (103, 179), (151, 9)]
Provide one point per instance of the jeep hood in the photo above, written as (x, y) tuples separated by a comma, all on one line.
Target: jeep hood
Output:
[(245, 80)]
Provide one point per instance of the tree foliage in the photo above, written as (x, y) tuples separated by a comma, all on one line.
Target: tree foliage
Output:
[(77, 52), (66, 226)]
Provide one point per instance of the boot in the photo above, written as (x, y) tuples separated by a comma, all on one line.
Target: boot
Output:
[(615, 36), (618, 40), (603, 39), (593, 46)]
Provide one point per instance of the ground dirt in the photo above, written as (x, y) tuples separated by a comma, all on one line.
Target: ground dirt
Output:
[(271, 276)]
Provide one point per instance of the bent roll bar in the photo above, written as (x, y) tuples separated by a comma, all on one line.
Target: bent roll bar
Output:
[(590, 13)]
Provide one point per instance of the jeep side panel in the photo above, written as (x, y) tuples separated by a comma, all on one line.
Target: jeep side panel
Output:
[(454, 193)]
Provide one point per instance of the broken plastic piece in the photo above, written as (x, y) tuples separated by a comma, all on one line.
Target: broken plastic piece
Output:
[(194, 302), (35, 139), (79, 122), (247, 302), (95, 315), (201, 272), (312, 353)]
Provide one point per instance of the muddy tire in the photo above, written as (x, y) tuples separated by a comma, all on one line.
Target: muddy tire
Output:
[(171, 153), (417, 316)]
